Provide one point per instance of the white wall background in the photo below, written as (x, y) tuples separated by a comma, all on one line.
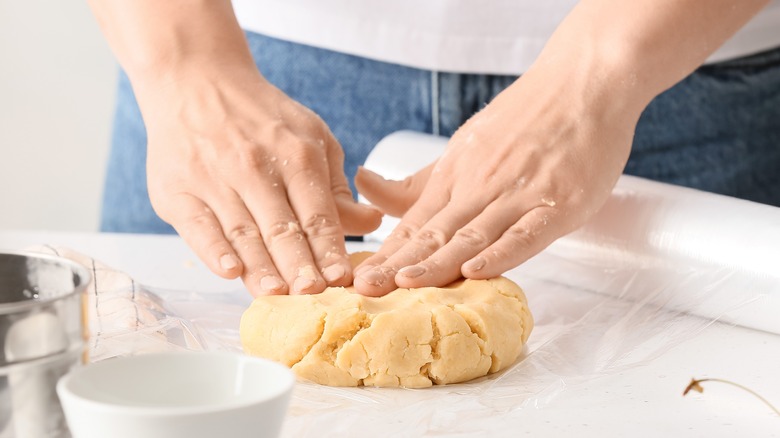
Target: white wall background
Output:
[(57, 79)]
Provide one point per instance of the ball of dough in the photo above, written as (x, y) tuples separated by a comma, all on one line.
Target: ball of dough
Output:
[(411, 337)]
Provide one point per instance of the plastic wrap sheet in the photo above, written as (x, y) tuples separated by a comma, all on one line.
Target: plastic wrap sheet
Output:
[(580, 335), (655, 267)]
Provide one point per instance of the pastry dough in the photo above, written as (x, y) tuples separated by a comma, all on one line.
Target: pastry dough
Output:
[(411, 337)]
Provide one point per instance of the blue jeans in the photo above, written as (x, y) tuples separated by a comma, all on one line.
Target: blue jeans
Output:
[(717, 130)]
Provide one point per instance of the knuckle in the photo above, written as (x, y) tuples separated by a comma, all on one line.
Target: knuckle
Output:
[(520, 238), (281, 231), (251, 158), (249, 154), (304, 163), (304, 156), (402, 233), (243, 233), (319, 225), (196, 221), (328, 143), (430, 238), (471, 237)]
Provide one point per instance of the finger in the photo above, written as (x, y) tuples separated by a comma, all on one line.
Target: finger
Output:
[(392, 197), (196, 223), (532, 233), (357, 219), (375, 277), (283, 236), (260, 275), (444, 265), (311, 200), (431, 237), (427, 206)]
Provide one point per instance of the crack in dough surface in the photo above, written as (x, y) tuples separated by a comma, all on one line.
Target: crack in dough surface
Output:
[(413, 338)]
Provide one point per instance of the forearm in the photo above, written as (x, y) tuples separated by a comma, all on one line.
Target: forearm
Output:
[(634, 50), (159, 41)]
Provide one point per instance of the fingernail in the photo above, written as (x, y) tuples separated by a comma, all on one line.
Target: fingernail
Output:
[(228, 262), (303, 283), (374, 277), (475, 264), (373, 208), (306, 279), (412, 271), (271, 283), (362, 269), (333, 273)]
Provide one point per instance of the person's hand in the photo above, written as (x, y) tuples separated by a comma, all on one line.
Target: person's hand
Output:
[(529, 168), (253, 182)]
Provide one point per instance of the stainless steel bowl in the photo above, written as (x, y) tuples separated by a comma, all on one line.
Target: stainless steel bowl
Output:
[(42, 336)]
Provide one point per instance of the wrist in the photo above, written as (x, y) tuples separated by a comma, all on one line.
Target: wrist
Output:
[(598, 80), (595, 87), (162, 43), (630, 52), (189, 72), (205, 86)]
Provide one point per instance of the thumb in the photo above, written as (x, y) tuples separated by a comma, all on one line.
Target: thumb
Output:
[(392, 197), (356, 219)]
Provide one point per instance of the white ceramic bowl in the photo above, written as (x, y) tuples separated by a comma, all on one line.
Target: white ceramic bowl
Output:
[(189, 395)]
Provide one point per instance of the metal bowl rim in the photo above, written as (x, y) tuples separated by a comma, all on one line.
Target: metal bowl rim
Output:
[(78, 269)]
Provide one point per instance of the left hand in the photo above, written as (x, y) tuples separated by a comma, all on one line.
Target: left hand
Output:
[(532, 166)]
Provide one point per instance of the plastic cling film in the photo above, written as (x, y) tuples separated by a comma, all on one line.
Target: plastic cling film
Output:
[(125, 318), (704, 250), (579, 335)]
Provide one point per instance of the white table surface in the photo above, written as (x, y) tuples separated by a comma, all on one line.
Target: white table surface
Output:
[(643, 401)]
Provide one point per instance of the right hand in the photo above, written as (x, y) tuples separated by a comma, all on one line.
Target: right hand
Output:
[(532, 166), (252, 181)]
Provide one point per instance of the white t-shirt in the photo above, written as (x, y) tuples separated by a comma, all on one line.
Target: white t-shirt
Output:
[(466, 36)]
